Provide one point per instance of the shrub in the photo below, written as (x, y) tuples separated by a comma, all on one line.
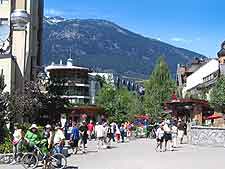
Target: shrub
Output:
[(7, 146)]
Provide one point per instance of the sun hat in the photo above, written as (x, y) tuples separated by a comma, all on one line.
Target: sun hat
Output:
[(33, 126), (48, 126)]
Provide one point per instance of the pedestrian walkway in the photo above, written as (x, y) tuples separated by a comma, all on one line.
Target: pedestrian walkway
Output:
[(140, 154)]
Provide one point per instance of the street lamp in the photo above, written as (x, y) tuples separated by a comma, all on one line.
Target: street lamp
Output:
[(19, 19)]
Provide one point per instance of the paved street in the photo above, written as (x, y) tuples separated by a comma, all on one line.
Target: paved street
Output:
[(140, 154)]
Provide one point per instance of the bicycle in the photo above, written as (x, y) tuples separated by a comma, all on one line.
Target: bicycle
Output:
[(50, 161)]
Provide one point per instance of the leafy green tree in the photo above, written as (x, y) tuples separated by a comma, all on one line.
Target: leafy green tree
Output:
[(158, 88), (217, 95), (3, 107), (106, 97), (119, 103)]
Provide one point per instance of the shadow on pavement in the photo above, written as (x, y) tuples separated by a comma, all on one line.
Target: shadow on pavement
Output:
[(71, 167)]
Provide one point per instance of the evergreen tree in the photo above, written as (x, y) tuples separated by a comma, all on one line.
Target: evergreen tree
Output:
[(158, 89), (217, 95)]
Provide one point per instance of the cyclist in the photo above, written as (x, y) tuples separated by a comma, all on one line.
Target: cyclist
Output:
[(33, 137), (48, 134), (59, 139)]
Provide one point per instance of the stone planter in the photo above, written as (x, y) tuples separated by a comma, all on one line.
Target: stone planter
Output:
[(207, 136)]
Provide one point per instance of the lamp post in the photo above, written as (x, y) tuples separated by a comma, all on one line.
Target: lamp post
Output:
[(19, 19)]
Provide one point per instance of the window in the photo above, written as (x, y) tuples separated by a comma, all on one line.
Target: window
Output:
[(4, 21), (4, 1)]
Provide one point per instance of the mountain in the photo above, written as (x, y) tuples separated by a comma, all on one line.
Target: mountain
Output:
[(105, 46)]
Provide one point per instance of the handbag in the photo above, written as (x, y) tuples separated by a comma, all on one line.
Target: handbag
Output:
[(14, 142)]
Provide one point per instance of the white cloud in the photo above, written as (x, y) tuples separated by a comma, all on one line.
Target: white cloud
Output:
[(181, 40), (53, 12), (178, 39)]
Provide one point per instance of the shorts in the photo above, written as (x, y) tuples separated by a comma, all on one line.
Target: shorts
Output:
[(168, 136), (160, 139)]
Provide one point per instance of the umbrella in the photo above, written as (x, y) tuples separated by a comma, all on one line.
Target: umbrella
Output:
[(214, 116)]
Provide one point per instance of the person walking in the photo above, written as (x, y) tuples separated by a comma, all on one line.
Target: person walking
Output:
[(168, 135), (174, 134), (17, 141), (113, 130), (74, 138), (122, 132), (118, 134), (90, 129), (181, 130), (99, 130), (160, 137), (110, 134), (83, 135)]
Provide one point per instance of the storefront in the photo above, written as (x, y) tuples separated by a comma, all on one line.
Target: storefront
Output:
[(85, 113), (192, 110)]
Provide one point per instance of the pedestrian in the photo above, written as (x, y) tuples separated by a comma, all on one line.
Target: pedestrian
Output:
[(90, 129), (74, 138), (83, 135), (174, 134), (117, 134), (59, 139), (160, 137), (99, 130), (17, 141), (181, 130), (66, 127), (113, 130), (122, 132), (110, 134), (168, 135)]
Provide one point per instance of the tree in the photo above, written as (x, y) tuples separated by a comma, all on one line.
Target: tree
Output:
[(158, 88), (3, 107), (119, 103), (217, 95)]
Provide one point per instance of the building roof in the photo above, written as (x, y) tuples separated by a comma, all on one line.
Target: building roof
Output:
[(221, 53), (222, 50), (196, 78), (61, 67)]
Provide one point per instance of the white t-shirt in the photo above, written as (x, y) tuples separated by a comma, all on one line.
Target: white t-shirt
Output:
[(159, 133), (59, 136), (166, 128), (99, 130)]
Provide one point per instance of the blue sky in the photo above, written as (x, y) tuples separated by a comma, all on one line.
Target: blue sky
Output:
[(192, 24)]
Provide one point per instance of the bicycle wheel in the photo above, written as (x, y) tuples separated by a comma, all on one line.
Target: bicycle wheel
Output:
[(58, 161), (29, 161)]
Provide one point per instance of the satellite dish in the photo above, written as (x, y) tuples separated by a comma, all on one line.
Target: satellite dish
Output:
[(4, 32)]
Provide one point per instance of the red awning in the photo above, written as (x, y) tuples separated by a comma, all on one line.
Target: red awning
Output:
[(214, 116)]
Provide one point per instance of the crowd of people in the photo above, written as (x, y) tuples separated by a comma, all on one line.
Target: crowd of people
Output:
[(170, 133), (76, 136)]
